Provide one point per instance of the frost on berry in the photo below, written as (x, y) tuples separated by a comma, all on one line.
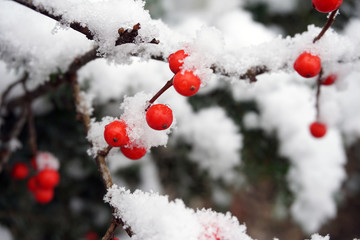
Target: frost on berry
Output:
[(140, 134), (176, 60), (96, 135)]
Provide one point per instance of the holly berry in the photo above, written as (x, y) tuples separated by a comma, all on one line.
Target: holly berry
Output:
[(43, 195), (176, 60), (48, 178), (186, 83), (307, 65), (32, 184), (20, 171), (92, 236), (329, 80), (133, 152), (115, 134), (318, 129), (159, 117), (326, 6)]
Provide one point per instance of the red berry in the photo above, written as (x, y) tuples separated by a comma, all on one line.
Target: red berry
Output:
[(44, 195), (186, 83), (176, 60), (159, 117), (326, 6), (32, 184), (48, 178), (329, 80), (308, 65), (133, 152), (318, 129), (115, 134), (20, 171), (92, 236)]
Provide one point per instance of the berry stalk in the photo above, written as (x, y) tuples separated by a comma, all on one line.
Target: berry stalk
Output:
[(167, 85), (328, 24)]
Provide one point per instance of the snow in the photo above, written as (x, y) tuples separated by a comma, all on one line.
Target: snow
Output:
[(39, 52), (85, 103), (138, 130), (224, 35), (152, 216), (5, 233), (217, 149), (46, 160)]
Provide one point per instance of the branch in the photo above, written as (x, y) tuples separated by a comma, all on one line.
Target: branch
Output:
[(74, 25), (10, 87), (100, 160), (57, 80), (31, 124), (6, 152)]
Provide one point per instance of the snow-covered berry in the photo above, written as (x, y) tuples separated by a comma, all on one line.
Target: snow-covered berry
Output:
[(20, 171), (159, 117), (186, 83), (48, 178), (318, 129), (326, 6), (45, 160), (329, 80), (133, 152), (115, 134), (176, 60), (307, 65)]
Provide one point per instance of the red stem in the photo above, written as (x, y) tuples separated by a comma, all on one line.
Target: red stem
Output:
[(167, 85), (328, 24)]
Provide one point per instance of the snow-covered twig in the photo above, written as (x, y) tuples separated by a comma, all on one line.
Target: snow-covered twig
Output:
[(59, 79), (100, 159)]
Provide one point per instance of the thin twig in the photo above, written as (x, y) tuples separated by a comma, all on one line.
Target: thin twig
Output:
[(56, 81), (327, 25), (317, 106), (167, 85), (10, 87), (6, 151), (100, 159), (31, 124)]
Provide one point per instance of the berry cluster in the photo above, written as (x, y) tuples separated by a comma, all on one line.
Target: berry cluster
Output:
[(158, 116), (42, 184), (185, 83), (308, 65)]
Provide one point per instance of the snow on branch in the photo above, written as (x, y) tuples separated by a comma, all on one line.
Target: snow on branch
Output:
[(128, 29), (153, 217)]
